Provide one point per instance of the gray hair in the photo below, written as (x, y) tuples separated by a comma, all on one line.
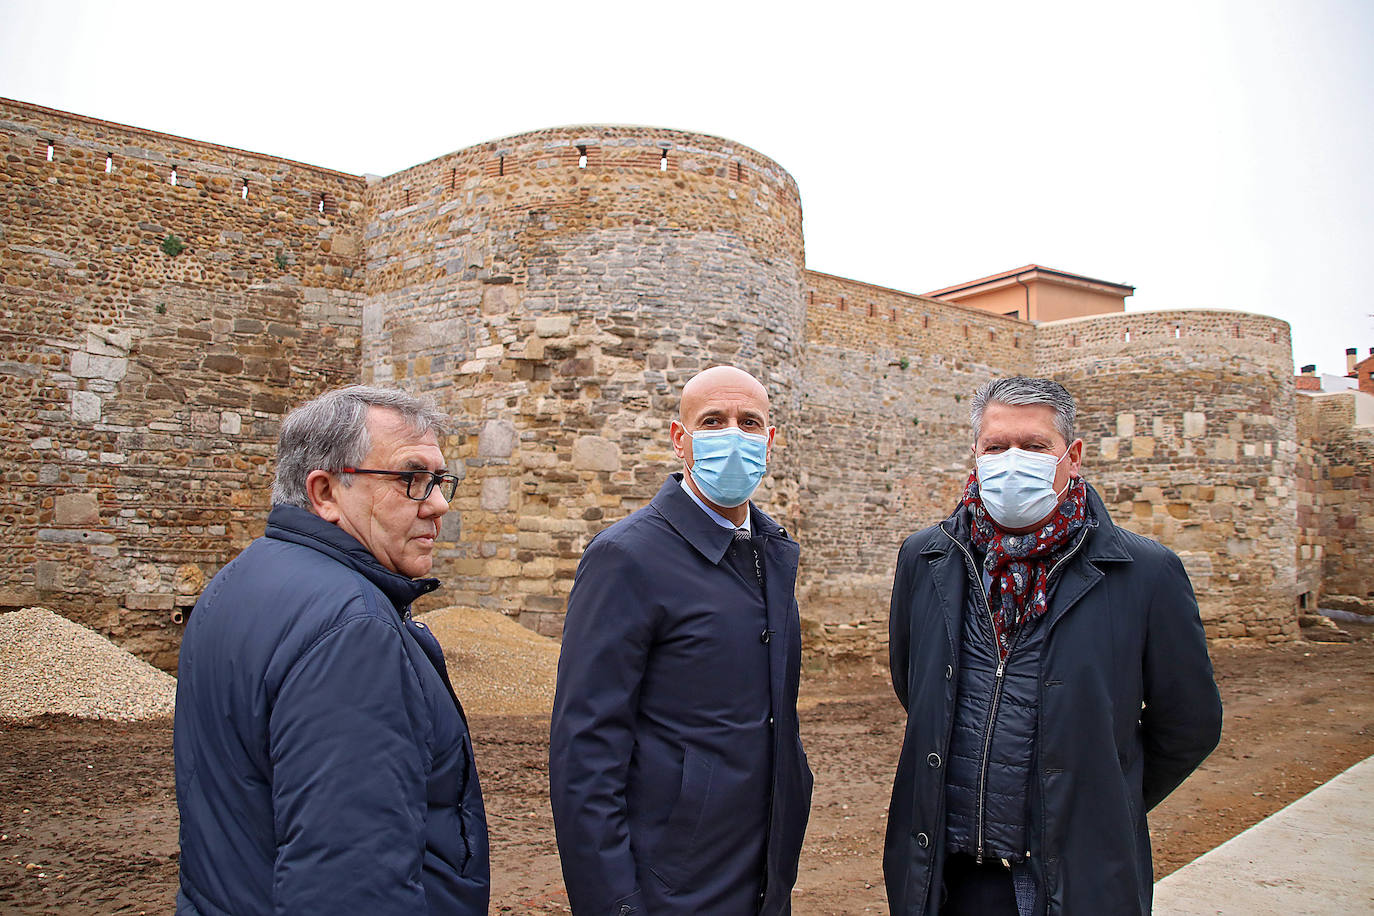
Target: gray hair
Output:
[(1018, 391), (330, 432)]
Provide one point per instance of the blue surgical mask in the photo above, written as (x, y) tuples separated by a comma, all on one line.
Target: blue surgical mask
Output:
[(1017, 487), (728, 464)]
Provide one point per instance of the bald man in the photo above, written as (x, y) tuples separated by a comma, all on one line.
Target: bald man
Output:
[(677, 776)]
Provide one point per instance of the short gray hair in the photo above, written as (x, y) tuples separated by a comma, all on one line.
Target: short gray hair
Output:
[(330, 432), (1018, 391)]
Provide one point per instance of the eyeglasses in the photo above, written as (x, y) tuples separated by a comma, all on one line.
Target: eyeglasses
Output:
[(419, 484)]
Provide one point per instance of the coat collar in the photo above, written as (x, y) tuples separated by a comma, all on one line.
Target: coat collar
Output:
[(300, 526), (951, 575), (1104, 540), (699, 529)]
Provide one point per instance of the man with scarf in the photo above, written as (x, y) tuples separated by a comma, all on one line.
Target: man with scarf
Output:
[(1056, 680)]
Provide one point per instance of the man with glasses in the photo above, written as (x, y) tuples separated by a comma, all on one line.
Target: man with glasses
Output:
[(323, 763)]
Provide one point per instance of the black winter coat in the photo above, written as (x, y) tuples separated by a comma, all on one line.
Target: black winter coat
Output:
[(1127, 708), (676, 771), (323, 764)]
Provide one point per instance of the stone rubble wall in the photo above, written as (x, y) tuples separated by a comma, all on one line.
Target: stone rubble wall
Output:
[(885, 418), (555, 308), (1190, 437), (1335, 471), (142, 390), (553, 291)]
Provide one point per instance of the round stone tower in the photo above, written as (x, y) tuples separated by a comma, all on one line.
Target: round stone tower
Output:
[(553, 291), (1189, 427)]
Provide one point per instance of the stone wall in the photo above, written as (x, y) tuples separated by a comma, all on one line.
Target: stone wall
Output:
[(553, 291), (886, 430), (1189, 427), (143, 389), (1336, 511)]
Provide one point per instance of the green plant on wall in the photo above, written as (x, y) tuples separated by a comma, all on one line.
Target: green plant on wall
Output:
[(904, 363), (281, 260), (172, 246)]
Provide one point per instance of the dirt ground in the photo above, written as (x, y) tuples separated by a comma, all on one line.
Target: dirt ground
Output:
[(88, 820)]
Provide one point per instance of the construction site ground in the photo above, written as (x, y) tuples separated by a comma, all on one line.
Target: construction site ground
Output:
[(88, 819)]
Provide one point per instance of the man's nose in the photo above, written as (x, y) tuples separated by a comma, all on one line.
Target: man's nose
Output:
[(434, 503)]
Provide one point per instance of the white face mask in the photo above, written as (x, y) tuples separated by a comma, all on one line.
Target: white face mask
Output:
[(1017, 487)]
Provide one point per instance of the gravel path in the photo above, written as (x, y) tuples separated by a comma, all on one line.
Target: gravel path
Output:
[(50, 665)]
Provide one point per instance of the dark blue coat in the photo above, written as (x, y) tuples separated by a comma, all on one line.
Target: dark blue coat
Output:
[(323, 764), (1127, 709), (676, 771)]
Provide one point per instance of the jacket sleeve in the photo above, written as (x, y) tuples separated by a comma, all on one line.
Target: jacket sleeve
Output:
[(607, 634), (899, 621), (349, 766), (1181, 721)]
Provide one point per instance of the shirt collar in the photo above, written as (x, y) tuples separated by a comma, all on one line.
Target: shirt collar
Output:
[(716, 517)]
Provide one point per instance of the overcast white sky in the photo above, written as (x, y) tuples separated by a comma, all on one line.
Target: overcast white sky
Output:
[(1213, 154)]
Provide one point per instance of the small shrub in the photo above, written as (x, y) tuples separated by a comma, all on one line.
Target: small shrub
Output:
[(172, 246), (281, 260), (904, 363)]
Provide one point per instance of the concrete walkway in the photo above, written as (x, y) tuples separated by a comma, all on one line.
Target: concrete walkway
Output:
[(1312, 857)]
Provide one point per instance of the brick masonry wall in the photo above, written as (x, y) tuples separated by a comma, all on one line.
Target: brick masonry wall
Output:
[(1190, 435), (885, 421), (555, 305), (1336, 508), (143, 390)]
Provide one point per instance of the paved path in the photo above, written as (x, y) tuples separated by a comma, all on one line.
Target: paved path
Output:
[(1315, 856)]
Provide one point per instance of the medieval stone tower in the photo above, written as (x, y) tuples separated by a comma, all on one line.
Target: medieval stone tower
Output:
[(553, 291)]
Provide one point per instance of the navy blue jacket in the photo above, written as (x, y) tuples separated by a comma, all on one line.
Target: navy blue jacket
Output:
[(1127, 709), (323, 764), (676, 771)]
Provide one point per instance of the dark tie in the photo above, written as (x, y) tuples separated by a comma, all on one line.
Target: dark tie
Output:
[(744, 559)]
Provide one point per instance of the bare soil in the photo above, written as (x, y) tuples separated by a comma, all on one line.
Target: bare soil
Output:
[(88, 820)]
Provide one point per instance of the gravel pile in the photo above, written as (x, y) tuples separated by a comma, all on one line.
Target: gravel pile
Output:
[(498, 667), (50, 665)]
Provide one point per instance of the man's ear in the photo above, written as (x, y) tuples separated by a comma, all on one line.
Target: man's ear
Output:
[(772, 434), (1075, 454), (676, 433), (323, 488)]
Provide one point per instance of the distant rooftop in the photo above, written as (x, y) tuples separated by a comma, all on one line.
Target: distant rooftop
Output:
[(1029, 272), (1039, 293)]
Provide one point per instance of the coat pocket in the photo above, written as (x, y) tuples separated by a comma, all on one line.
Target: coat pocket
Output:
[(672, 860)]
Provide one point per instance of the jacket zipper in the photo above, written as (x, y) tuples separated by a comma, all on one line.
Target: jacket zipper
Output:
[(998, 680), (773, 737)]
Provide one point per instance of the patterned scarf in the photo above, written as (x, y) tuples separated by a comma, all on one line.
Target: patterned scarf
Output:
[(1020, 564)]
